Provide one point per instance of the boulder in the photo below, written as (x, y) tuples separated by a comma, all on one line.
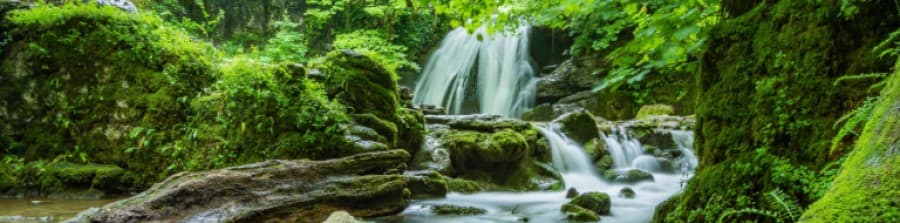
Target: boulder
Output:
[(626, 192), (341, 217), (571, 193), (579, 126), (654, 110), (427, 184), (627, 176), (540, 113), (449, 209), (566, 79), (276, 190), (578, 213), (597, 202)]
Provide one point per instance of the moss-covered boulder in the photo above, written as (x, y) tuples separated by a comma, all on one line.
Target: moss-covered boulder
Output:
[(579, 126), (654, 110), (369, 91), (495, 151), (449, 209), (867, 188), (578, 213), (627, 176), (596, 202)]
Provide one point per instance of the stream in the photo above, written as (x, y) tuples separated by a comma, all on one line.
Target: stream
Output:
[(577, 172)]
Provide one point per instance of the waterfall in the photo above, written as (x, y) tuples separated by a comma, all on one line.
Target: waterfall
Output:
[(623, 148), (504, 82), (577, 171)]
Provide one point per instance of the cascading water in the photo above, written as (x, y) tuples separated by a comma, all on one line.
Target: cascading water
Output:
[(577, 172), (504, 82)]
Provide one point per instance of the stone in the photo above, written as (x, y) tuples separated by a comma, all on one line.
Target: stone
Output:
[(654, 110), (626, 192), (449, 209), (427, 184), (597, 202), (578, 213), (433, 110), (567, 79), (341, 217), (579, 126), (275, 190), (572, 192), (540, 113), (627, 176)]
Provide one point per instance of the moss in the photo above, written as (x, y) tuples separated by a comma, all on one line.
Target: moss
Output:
[(580, 126), (469, 186), (596, 202), (58, 177), (767, 102), (654, 110), (446, 209), (866, 190), (578, 213)]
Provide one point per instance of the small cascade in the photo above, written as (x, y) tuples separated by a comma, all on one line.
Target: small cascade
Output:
[(504, 77), (623, 148), (578, 171)]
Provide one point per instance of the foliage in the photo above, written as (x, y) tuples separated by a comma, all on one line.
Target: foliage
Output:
[(375, 44), (288, 44), (853, 122)]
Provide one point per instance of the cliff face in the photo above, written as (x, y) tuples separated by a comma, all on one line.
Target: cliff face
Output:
[(867, 189), (768, 102)]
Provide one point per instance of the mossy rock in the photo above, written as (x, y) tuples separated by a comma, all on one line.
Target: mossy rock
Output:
[(362, 84), (627, 192), (540, 113), (428, 184), (64, 176), (597, 202), (654, 110), (579, 126), (867, 188), (627, 176), (578, 213), (449, 209)]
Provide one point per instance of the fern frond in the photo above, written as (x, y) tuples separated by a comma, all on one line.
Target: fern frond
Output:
[(745, 211), (852, 121), (785, 203), (856, 77)]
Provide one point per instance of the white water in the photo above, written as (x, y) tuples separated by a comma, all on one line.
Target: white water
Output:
[(504, 82), (577, 171)]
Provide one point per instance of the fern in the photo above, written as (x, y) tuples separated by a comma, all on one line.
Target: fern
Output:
[(786, 205), (745, 211), (852, 121), (859, 77)]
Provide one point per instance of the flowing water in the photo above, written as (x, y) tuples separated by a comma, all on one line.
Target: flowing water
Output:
[(44, 210), (577, 172), (503, 81)]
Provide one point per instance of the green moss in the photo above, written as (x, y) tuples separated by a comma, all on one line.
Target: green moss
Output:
[(578, 213), (446, 209), (654, 110), (767, 103), (867, 187), (596, 202)]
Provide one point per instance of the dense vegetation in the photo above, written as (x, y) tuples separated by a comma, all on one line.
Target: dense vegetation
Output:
[(796, 101)]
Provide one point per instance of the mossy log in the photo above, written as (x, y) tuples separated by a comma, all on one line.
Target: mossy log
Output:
[(277, 190)]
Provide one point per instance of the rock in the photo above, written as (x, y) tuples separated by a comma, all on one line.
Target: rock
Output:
[(626, 192), (654, 110), (121, 4), (427, 184), (566, 79), (406, 94), (578, 213), (628, 176), (596, 202), (572, 192), (276, 190), (433, 110), (449, 209), (66, 180), (540, 113), (579, 126), (341, 217), (478, 122)]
